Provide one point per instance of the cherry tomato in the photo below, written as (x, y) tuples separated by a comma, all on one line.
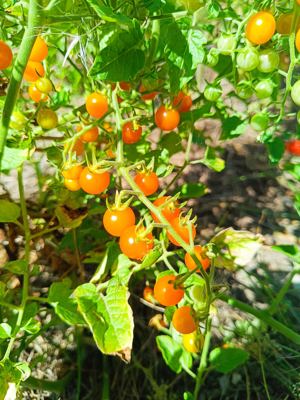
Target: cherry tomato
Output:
[(212, 93), (39, 50), (44, 85), (89, 136), (212, 58), (190, 263), (193, 342), (47, 118), (183, 320), (78, 147), (148, 294), (260, 27), (247, 59), (17, 120), (93, 182), (73, 172), (259, 122), (147, 96), (72, 184), (169, 211), (226, 44), (6, 55), (264, 89), (116, 221), (165, 292), (295, 93), (182, 229), (133, 244), (183, 102), (35, 94), (167, 119), (297, 40), (96, 105), (244, 90), (293, 147), (268, 61), (131, 133), (284, 24), (33, 71), (147, 181)]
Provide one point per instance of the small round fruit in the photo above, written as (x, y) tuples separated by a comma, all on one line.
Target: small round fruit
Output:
[(96, 105), (149, 94), (39, 50), (212, 93), (116, 221), (244, 90), (47, 118), (268, 61), (226, 44), (165, 292), (6, 55), (78, 147), (147, 181), (193, 342), (284, 24), (17, 120), (182, 229), (212, 58), (35, 94), (148, 294), (260, 27), (167, 119), (73, 172), (190, 263), (264, 89), (44, 85), (131, 132), (183, 102), (295, 93), (134, 244), (169, 211), (33, 71), (293, 147), (72, 184), (89, 136), (259, 122), (93, 182), (297, 40), (247, 59), (183, 320)]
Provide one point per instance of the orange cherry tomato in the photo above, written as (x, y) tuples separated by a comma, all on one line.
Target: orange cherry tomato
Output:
[(293, 147), (96, 105), (190, 263), (133, 244), (183, 102), (167, 119), (182, 229), (72, 184), (297, 40), (125, 86), (78, 147), (147, 181), (89, 136), (183, 320), (116, 221), (35, 94), (93, 182), (131, 133), (6, 55), (39, 50), (165, 292), (260, 27), (73, 172), (148, 294), (169, 211), (147, 96), (33, 71)]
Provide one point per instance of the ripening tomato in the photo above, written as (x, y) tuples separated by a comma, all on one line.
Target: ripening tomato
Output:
[(167, 119), (39, 50), (297, 40), (193, 342), (260, 27), (169, 211), (293, 147), (89, 136), (183, 102), (165, 292), (134, 244), (148, 294), (295, 93), (78, 147), (6, 55), (73, 172), (47, 118), (17, 120), (44, 85), (131, 132), (190, 263), (147, 181), (149, 95), (94, 182), (96, 104), (72, 184), (182, 229), (115, 221), (183, 321), (284, 24), (35, 94), (33, 71)]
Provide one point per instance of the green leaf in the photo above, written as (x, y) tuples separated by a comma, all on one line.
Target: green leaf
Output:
[(16, 267), (9, 212), (10, 375), (13, 158), (107, 14), (171, 142), (289, 250), (109, 317), (227, 359), (276, 150), (69, 218), (212, 161), (5, 330), (32, 326), (232, 128), (173, 353), (196, 40), (192, 190)]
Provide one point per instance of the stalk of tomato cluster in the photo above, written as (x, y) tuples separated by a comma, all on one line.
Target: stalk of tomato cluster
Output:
[(18, 70)]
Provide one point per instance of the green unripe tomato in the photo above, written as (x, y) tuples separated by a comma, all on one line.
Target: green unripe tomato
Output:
[(259, 122), (212, 58), (226, 44), (244, 90), (247, 59), (264, 89), (46, 118), (17, 120), (298, 117), (268, 61), (295, 93), (212, 93)]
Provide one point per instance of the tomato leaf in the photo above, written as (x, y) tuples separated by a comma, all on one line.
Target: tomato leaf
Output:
[(212, 161), (13, 158), (227, 359), (192, 190), (276, 149), (173, 353), (232, 127), (16, 267), (9, 212), (108, 15), (5, 330)]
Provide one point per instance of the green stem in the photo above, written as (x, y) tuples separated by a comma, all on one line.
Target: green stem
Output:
[(18, 70), (50, 386), (105, 379), (263, 316)]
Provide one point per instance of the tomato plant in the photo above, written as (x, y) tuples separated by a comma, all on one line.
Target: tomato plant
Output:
[(184, 228)]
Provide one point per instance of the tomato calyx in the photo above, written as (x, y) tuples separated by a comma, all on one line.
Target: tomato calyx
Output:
[(119, 204)]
